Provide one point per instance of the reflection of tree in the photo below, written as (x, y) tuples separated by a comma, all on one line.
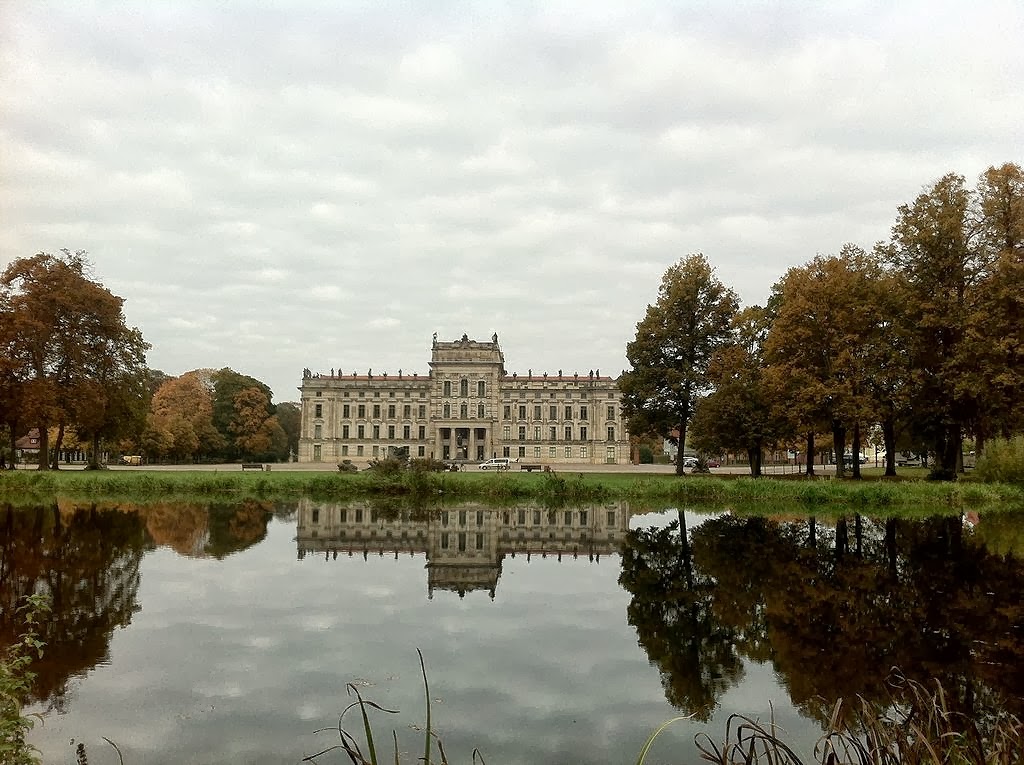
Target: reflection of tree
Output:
[(216, 530), (837, 608), (88, 562), (236, 527), (672, 610)]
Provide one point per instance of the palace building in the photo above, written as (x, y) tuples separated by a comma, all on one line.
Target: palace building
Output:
[(468, 408)]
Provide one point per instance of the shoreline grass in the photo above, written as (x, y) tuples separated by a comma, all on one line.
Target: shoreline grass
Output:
[(740, 493)]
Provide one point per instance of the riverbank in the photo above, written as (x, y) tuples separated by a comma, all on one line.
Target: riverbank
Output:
[(653, 490)]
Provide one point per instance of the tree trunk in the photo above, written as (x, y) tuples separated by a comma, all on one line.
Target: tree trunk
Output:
[(889, 439), (56, 447), (682, 442), (44, 448), (810, 452), (839, 447), (754, 458), (856, 450), (94, 458)]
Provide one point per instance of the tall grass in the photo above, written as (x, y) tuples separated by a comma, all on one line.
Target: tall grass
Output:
[(553, 489)]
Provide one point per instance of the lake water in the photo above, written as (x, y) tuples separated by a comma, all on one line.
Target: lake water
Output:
[(229, 633)]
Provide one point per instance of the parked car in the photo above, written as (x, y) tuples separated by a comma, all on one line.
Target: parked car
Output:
[(690, 462), (714, 463), (496, 463), (131, 459)]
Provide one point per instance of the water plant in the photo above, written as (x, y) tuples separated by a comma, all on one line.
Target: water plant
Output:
[(15, 682)]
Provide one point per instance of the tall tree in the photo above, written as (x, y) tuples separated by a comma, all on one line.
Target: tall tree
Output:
[(60, 331), (672, 350), (819, 347), (230, 421), (180, 421), (739, 414), (934, 247)]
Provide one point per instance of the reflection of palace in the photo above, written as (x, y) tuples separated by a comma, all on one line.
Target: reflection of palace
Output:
[(464, 546), (468, 408)]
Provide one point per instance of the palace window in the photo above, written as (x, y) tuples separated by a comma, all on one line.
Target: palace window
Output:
[(407, 411), (536, 432), (422, 433), (583, 452), (611, 413), (376, 432), (611, 433), (583, 413), (447, 387), (553, 434), (536, 452), (552, 412), (318, 431), (568, 452), (360, 431), (507, 412), (344, 450), (362, 411), (536, 412), (552, 451), (480, 411), (447, 409), (391, 411), (568, 433), (376, 411), (406, 432), (464, 410), (344, 431), (463, 387), (318, 410), (506, 432), (522, 432), (481, 388), (568, 413), (522, 412), (583, 432), (522, 451), (423, 412), (345, 411)]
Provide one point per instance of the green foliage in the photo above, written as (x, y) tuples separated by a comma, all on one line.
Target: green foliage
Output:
[(1002, 461), (646, 455), (16, 681), (673, 348)]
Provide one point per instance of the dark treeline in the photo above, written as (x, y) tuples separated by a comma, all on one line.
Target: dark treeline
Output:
[(834, 606), (75, 374), (917, 343)]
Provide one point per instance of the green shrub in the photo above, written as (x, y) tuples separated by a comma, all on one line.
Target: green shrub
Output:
[(15, 681), (1002, 461)]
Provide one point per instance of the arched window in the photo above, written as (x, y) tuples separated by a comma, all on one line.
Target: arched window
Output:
[(480, 411), (464, 410), (447, 410), (481, 389), (464, 387)]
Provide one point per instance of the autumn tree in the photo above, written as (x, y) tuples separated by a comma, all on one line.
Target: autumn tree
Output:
[(820, 344), (934, 247), (233, 421), (673, 348), (180, 421), (67, 347), (739, 414)]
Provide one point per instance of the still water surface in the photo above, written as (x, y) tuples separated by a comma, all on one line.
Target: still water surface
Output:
[(228, 634)]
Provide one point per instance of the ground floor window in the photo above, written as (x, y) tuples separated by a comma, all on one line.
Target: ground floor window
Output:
[(568, 452), (344, 450), (583, 452), (552, 452), (421, 451), (522, 451), (359, 451), (505, 452), (609, 455), (536, 452)]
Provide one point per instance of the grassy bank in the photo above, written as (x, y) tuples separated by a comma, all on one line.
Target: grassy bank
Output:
[(647, 490)]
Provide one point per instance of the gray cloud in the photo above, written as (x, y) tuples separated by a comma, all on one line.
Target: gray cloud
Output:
[(272, 189)]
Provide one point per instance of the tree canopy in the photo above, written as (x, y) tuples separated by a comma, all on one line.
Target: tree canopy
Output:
[(672, 351)]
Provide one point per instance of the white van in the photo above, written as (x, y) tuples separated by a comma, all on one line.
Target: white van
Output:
[(497, 463)]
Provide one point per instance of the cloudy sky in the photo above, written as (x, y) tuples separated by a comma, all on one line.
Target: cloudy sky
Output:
[(273, 186)]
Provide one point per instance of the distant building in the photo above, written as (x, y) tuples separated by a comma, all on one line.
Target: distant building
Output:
[(468, 408)]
